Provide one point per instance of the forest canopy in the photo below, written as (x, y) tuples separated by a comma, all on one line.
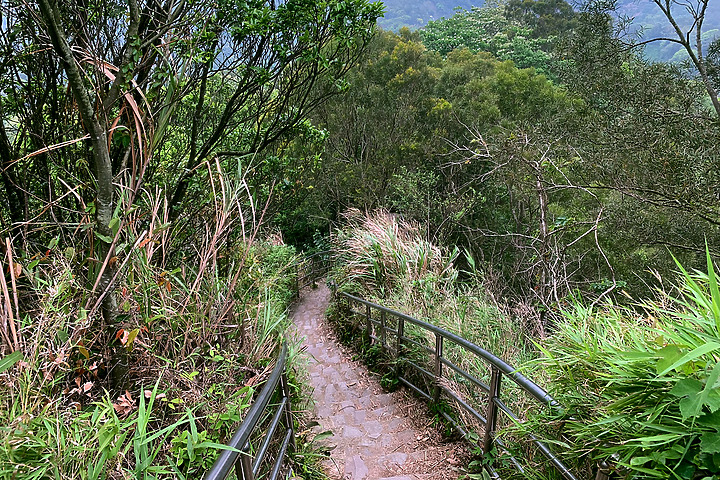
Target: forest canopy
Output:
[(558, 154)]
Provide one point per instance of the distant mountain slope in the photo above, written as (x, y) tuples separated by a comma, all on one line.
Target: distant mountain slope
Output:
[(653, 24), (417, 13)]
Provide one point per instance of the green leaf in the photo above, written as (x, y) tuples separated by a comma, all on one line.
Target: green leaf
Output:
[(193, 427), (696, 396), (685, 470), (104, 238), (131, 338), (668, 356), (218, 446), (693, 355), (685, 387), (8, 361), (710, 442), (713, 400), (655, 440), (114, 225), (690, 406), (323, 435), (711, 420), (714, 291), (709, 395)]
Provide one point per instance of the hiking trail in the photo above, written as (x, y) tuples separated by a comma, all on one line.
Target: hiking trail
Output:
[(377, 435)]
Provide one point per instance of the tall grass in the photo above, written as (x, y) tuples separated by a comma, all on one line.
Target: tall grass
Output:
[(639, 385), (384, 257), (382, 252), (387, 261), (201, 310), (642, 389)]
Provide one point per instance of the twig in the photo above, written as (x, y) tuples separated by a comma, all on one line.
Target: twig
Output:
[(13, 283), (14, 343)]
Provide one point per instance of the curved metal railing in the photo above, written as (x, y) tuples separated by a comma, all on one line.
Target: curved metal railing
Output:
[(391, 336), (247, 462), (242, 455)]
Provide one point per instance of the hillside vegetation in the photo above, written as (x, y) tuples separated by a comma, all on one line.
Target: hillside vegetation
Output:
[(644, 19), (144, 149), (638, 385), (519, 173)]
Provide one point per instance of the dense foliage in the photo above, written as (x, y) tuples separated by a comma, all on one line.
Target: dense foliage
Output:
[(638, 386), (639, 21), (491, 30), (144, 147), (643, 389), (581, 182)]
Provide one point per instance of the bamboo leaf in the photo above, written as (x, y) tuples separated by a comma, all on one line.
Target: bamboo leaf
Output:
[(714, 291), (656, 440), (9, 360), (218, 446)]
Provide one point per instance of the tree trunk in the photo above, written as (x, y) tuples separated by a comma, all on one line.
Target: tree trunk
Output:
[(696, 57), (102, 164), (7, 167), (543, 251)]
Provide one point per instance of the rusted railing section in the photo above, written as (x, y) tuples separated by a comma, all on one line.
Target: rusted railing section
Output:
[(395, 342), (247, 458)]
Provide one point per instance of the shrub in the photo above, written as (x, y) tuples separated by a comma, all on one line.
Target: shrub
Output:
[(642, 391)]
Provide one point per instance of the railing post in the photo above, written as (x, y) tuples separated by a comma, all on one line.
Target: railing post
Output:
[(603, 472), (383, 328), (494, 394), (399, 346), (289, 424), (368, 325), (438, 366), (243, 468), (312, 273), (297, 279)]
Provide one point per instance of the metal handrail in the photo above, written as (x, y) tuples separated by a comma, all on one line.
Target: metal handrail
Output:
[(240, 455), (311, 267), (498, 369)]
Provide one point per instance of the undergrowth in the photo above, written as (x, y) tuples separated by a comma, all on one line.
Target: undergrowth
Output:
[(200, 317), (385, 260), (638, 386), (643, 385)]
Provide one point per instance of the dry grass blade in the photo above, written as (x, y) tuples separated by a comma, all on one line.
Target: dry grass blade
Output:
[(50, 148), (12, 339)]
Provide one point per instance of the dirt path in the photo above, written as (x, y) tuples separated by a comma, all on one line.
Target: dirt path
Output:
[(377, 435)]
